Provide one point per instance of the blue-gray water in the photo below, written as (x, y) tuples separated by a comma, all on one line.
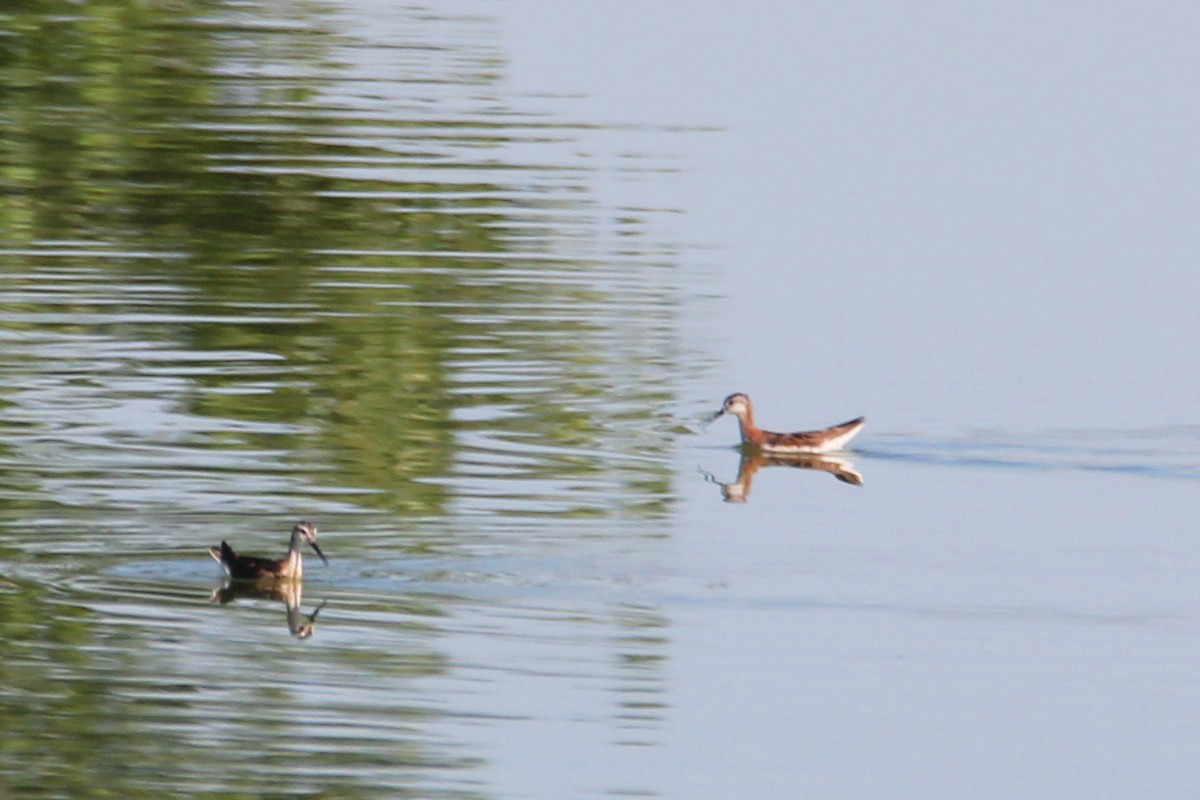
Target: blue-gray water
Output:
[(461, 283)]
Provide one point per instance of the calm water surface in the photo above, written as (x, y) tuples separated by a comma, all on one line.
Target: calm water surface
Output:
[(440, 280)]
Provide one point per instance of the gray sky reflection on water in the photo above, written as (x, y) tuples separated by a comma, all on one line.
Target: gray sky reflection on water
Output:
[(967, 223), (946, 217), (971, 223)]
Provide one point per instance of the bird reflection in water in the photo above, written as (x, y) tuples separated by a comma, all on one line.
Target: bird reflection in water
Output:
[(290, 593), (272, 578), (739, 490)]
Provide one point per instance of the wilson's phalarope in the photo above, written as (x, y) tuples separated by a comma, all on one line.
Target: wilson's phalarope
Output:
[(821, 441), (290, 567)]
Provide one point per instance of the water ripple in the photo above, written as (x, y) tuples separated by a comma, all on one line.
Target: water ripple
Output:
[(1159, 453)]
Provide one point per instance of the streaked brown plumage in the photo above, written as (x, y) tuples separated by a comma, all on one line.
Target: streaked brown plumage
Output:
[(820, 441), (290, 567)]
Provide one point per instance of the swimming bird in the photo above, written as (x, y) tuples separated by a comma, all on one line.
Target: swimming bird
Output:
[(290, 567), (822, 441)]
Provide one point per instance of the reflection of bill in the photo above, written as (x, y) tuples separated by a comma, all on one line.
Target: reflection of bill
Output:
[(300, 625), (751, 463)]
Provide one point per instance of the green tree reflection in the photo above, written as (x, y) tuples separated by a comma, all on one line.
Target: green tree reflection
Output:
[(354, 244), (374, 277)]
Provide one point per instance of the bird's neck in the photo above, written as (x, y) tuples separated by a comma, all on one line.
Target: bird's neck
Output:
[(750, 432), (294, 562)]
